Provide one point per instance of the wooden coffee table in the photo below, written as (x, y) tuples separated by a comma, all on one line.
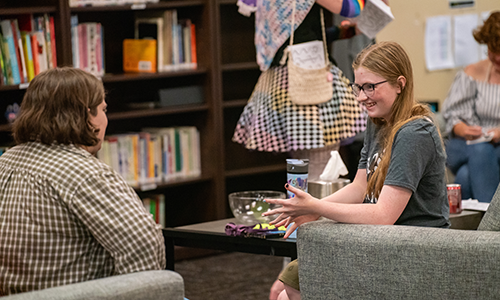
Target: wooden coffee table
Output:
[(211, 235)]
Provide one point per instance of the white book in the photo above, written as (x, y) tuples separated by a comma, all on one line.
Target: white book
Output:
[(91, 48), (74, 41), (374, 17), (195, 151), (114, 153), (162, 216), (42, 55), (157, 156), (175, 40)]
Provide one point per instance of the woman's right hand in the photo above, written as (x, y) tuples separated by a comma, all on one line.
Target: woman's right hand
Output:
[(468, 132)]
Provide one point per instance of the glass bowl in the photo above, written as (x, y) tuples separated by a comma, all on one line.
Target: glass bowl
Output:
[(247, 207)]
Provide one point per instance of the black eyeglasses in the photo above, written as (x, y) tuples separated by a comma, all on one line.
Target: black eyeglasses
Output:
[(367, 88)]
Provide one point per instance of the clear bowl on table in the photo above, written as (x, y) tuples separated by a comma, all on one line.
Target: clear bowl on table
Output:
[(248, 206)]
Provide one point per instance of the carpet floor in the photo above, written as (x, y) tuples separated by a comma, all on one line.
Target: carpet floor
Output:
[(229, 276)]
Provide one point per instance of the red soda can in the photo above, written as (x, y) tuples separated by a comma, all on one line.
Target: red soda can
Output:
[(454, 198)]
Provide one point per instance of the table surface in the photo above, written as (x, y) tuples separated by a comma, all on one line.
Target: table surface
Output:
[(467, 219), (211, 235)]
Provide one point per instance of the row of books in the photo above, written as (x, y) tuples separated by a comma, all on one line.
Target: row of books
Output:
[(155, 205), (27, 47), (154, 155), (176, 38), (80, 3), (87, 40)]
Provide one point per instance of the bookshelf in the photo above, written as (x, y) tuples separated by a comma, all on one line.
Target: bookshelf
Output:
[(226, 71)]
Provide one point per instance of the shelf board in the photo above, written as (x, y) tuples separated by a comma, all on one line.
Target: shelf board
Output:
[(148, 76), (157, 111), (148, 6), (175, 182), (27, 10), (255, 170), (5, 127), (235, 103), (142, 113), (13, 87), (227, 1), (240, 66)]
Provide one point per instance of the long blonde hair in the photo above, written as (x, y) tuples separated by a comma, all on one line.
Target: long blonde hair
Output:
[(390, 61)]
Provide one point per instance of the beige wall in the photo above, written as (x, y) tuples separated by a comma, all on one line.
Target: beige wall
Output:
[(408, 29)]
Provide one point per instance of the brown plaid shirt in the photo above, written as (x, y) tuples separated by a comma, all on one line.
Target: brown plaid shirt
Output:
[(66, 217)]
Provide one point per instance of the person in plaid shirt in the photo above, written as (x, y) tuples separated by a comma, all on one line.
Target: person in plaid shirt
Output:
[(65, 216)]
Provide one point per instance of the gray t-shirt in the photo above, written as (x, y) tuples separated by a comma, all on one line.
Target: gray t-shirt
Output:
[(418, 164)]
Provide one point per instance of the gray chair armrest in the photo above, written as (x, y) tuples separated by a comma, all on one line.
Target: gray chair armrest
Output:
[(345, 261), (146, 285)]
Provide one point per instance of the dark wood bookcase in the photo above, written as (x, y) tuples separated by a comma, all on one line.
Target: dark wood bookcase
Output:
[(227, 72)]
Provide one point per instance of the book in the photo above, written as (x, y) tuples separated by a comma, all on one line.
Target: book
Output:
[(99, 44), (7, 66), (374, 17), (175, 40), (35, 49), (92, 40), (8, 38), (186, 40), (41, 51), (75, 50), (139, 55), (194, 59), (152, 28), (45, 27), (53, 41), (83, 48), (155, 205), (19, 51), (2, 68), (28, 54)]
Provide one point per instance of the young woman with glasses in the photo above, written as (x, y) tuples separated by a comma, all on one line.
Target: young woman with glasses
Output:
[(401, 173)]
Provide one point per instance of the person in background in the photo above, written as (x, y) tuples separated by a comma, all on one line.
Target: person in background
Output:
[(401, 173), (65, 216), (471, 112)]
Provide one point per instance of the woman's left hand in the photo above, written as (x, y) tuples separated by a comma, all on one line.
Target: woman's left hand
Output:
[(496, 135)]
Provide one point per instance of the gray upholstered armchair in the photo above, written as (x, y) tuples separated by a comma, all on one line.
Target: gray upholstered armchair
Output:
[(342, 261), (146, 285)]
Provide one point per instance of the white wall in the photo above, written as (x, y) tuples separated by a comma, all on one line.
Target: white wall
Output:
[(408, 29)]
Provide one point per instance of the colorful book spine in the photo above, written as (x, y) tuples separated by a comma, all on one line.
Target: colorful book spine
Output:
[(53, 41), (28, 54), (11, 48), (35, 53), (7, 69), (45, 21), (19, 51), (194, 58)]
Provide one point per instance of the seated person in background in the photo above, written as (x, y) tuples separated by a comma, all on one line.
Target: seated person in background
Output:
[(472, 111), (401, 173), (65, 216)]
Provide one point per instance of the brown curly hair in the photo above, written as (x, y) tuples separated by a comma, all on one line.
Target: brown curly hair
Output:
[(57, 108), (489, 33)]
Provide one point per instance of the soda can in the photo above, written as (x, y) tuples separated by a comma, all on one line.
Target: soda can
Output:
[(454, 198)]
